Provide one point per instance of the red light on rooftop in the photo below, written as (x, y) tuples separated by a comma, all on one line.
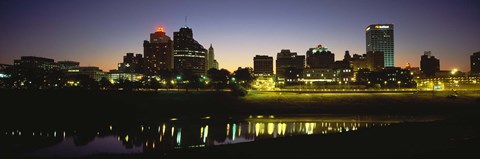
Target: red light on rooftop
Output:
[(160, 29)]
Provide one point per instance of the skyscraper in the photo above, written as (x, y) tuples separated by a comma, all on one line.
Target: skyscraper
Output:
[(210, 58), (263, 65), (320, 57), (188, 53), (158, 52), (429, 65), (287, 59), (475, 63), (380, 38)]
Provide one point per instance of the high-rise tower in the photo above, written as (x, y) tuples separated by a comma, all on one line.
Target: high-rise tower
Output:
[(158, 52), (380, 38), (188, 53)]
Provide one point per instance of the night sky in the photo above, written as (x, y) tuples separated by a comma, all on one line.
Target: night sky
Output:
[(100, 32)]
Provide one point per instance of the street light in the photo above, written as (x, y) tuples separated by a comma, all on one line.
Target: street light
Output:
[(399, 84), (454, 71), (179, 78)]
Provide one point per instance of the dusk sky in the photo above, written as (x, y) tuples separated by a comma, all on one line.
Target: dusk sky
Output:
[(100, 32)]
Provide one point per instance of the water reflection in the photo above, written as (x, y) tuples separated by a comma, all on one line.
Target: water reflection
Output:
[(174, 134)]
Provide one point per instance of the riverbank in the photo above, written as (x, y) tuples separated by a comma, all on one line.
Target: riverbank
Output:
[(78, 108), (88, 110)]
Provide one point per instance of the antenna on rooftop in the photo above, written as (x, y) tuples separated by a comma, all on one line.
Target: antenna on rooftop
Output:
[(185, 21)]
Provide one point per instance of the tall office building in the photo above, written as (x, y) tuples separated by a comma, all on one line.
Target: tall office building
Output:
[(429, 65), (263, 65), (210, 58), (320, 57), (287, 59), (380, 38), (475, 63), (188, 53), (158, 52)]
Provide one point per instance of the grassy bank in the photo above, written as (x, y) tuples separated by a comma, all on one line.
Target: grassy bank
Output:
[(103, 107), (455, 136)]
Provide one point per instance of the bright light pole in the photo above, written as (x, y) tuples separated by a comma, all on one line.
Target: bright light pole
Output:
[(399, 84), (179, 78)]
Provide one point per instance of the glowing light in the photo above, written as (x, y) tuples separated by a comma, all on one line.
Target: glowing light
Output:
[(454, 71), (257, 128), (382, 27), (111, 127), (163, 129), (160, 29), (179, 136), (126, 138), (228, 129), (270, 128), (239, 129), (234, 131), (205, 134), (201, 132)]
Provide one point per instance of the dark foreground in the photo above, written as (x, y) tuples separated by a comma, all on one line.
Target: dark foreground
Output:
[(457, 136)]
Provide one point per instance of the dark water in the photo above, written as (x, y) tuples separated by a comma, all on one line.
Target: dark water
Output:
[(188, 133)]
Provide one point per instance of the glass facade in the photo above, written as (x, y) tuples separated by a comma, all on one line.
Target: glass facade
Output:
[(380, 38)]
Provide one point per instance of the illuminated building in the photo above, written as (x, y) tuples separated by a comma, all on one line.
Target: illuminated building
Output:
[(188, 53), (380, 38), (475, 63), (115, 77), (389, 77), (158, 52), (131, 63), (93, 72), (287, 59), (263, 65), (359, 62), (67, 65), (375, 60), (32, 63), (414, 70), (3, 72), (429, 65), (212, 63), (318, 75), (320, 57)]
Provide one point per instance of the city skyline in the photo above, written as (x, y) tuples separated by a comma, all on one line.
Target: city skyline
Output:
[(102, 35)]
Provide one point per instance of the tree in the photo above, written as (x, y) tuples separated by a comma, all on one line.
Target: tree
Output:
[(244, 76), (219, 78), (105, 83)]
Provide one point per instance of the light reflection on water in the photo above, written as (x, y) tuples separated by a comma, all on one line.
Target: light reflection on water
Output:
[(201, 132)]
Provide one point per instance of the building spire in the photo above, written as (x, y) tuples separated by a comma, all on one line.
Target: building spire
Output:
[(211, 45), (186, 22)]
